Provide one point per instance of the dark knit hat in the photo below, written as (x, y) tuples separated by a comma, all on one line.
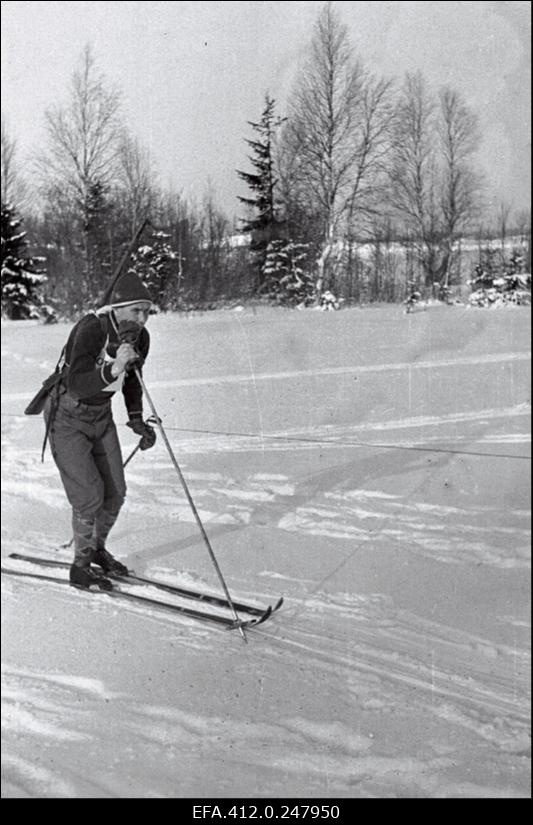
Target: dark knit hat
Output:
[(129, 289)]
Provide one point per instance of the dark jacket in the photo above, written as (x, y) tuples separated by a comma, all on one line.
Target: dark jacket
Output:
[(91, 346)]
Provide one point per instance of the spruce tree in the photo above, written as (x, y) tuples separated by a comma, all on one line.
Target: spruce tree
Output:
[(287, 273), (261, 222), (156, 265), (21, 276), (98, 220)]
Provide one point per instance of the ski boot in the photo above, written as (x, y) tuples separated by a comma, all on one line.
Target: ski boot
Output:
[(109, 563), (84, 576)]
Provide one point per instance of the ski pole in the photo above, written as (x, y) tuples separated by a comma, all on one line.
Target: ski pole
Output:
[(189, 497), (132, 454)]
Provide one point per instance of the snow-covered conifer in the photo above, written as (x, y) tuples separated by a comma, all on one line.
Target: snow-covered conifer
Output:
[(21, 276), (287, 277), (261, 221), (154, 264)]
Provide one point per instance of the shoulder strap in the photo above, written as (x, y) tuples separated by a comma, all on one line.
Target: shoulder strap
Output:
[(103, 323), (103, 317)]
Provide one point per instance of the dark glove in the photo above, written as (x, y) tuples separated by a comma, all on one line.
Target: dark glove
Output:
[(147, 433)]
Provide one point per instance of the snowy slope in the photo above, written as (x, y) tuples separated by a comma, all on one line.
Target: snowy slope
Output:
[(370, 466)]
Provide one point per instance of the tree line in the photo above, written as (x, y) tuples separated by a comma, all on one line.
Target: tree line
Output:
[(362, 187)]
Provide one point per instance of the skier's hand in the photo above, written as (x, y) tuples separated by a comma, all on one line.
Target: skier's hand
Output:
[(129, 332), (125, 356), (147, 433)]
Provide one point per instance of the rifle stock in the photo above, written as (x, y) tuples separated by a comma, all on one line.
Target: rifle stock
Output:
[(122, 263)]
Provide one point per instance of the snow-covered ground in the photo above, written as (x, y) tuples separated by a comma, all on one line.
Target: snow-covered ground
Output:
[(372, 467)]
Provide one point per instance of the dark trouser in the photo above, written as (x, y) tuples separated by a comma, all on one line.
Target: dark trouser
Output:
[(86, 449)]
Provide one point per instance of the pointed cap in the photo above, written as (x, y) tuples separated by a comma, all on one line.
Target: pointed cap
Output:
[(129, 289)]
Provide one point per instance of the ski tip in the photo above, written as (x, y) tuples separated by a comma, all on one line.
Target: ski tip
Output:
[(265, 616), (260, 619), (245, 623), (278, 604)]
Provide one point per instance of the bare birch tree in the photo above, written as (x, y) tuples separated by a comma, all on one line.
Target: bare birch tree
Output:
[(136, 177), (337, 137), (322, 117), (14, 188), (84, 134), (214, 232), (434, 186), (414, 173), (8, 164), (80, 163), (503, 219), (373, 144), (372, 138), (458, 132)]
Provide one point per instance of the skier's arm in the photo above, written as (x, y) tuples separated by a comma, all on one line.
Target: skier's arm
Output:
[(132, 390)]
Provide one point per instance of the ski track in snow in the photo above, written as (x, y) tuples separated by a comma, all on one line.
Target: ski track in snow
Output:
[(378, 657), (360, 369), (21, 778), (470, 683), (449, 534), (470, 534), (389, 644)]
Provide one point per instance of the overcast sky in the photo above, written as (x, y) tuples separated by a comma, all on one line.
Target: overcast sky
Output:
[(193, 73)]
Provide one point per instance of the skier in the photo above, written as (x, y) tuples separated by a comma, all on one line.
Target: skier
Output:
[(99, 357)]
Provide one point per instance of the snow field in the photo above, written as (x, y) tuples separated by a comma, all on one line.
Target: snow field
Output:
[(389, 506)]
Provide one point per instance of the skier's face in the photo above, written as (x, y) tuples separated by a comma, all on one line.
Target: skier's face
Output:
[(134, 312)]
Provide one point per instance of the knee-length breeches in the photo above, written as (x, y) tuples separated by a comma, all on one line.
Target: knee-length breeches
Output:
[(86, 450)]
